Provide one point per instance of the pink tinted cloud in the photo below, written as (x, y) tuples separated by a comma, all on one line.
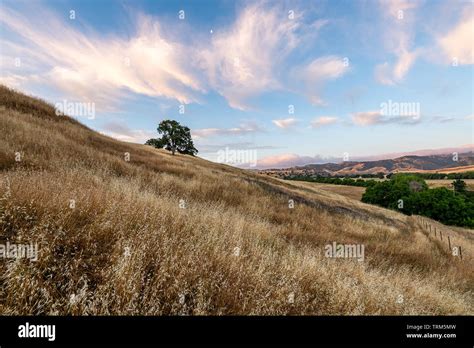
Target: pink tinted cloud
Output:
[(288, 160), (323, 121), (97, 68), (284, 123)]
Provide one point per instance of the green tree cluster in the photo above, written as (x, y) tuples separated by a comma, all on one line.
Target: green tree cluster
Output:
[(450, 176), (410, 195), (332, 180)]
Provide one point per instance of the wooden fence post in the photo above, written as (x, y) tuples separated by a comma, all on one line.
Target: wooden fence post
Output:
[(460, 251), (441, 234), (449, 243)]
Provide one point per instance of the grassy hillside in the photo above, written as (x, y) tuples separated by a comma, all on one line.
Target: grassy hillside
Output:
[(128, 246), (353, 192)]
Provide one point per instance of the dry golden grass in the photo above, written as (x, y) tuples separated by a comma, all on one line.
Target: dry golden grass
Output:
[(448, 183), (461, 169), (236, 248), (352, 192)]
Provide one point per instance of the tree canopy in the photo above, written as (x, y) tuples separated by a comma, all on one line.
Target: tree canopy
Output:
[(446, 206), (175, 137)]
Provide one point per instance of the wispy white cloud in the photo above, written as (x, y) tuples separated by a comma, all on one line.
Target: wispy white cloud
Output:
[(453, 46), (243, 129), (124, 133), (240, 61), (323, 121), (398, 30), (314, 74), (290, 160), (99, 68), (457, 45), (369, 118), (213, 149), (285, 123), (387, 74), (249, 58)]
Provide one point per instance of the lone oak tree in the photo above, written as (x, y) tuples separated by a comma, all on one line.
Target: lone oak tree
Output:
[(174, 138)]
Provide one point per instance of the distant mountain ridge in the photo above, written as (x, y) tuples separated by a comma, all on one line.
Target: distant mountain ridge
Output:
[(409, 163)]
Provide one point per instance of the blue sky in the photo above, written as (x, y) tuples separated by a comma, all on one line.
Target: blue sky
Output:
[(233, 71)]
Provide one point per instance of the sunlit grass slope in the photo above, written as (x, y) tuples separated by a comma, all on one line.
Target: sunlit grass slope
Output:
[(162, 234)]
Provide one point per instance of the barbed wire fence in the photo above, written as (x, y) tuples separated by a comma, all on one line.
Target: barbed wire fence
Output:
[(431, 230)]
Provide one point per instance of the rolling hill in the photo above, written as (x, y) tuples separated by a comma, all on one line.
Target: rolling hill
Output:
[(442, 163), (128, 229)]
